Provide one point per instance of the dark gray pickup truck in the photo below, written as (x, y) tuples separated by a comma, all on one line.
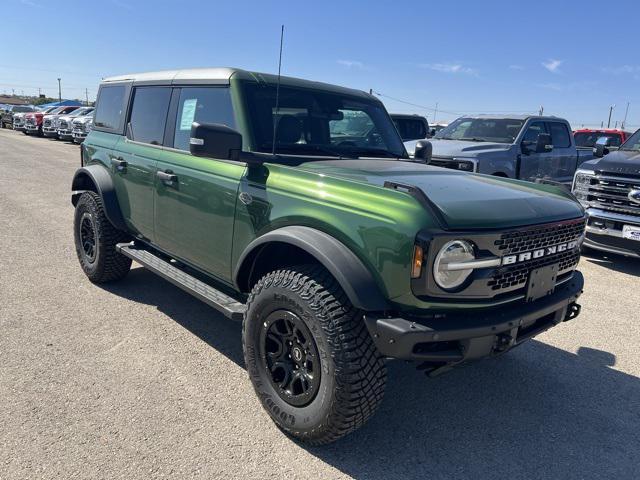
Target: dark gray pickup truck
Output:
[(533, 148)]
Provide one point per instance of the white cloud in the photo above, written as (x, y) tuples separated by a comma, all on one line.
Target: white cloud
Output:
[(450, 68), (352, 64), (622, 69), (516, 67), (552, 65)]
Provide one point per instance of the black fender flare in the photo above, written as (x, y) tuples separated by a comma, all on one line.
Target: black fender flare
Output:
[(353, 276), (97, 178)]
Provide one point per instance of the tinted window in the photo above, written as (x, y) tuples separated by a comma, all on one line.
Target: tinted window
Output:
[(559, 135), (22, 109), (110, 107), (588, 139), (202, 105), (533, 130), (410, 128), (149, 114)]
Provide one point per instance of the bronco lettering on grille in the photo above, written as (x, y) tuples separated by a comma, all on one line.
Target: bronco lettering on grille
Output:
[(539, 253)]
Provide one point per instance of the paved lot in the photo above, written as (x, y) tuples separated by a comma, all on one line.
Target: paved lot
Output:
[(139, 380)]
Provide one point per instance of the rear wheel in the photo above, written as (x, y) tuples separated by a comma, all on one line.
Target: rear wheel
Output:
[(96, 239), (309, 355)]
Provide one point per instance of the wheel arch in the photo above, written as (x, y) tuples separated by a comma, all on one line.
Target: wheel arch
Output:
[(96, 178), (304, 244)]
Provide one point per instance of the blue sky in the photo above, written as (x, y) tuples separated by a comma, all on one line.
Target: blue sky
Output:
[(574, 58)]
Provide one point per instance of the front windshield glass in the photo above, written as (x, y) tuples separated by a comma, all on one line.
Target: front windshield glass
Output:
[(80, 111), (589, 139), (632, 143), (316, 122), (55, 111), (499, 130)]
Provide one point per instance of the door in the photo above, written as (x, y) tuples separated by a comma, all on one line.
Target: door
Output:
[(136, 157), (533, 165), (195, 198), (564, 155)]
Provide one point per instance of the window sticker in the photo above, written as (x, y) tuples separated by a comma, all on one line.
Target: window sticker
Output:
[(188, 113)]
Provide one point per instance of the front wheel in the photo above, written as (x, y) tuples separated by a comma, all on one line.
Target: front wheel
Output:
[(96, 239), (309, 355)]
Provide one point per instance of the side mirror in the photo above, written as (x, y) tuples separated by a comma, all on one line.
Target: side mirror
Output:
[(543, 143), (423, 151), (213, 140), (602, 147)]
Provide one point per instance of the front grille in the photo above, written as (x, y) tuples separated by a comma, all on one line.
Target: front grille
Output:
[(47, 123), (535, 238), (31, 121), (63, 124), (518, 275), (612, 193), (539, 237)]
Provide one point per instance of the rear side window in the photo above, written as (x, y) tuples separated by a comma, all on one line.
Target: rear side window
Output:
[(559, 135), (110, 108), (410, 128), (149, 114), (534, 129), (202, 105)]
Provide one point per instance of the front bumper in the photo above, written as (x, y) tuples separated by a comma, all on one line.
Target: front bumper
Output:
[(64, 134), (79, 137), (31, 128), (604, 232), (18, 126), (447, 339)]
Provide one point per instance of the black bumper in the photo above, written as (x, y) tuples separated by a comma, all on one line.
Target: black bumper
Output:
[(447, 339)]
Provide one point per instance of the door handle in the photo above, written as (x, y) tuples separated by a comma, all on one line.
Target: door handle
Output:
[(168, 178), (120, 164)]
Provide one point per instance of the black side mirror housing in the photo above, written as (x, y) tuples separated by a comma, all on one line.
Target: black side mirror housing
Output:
[(423, 151), (213, 140), (543, 143), (603, 147)]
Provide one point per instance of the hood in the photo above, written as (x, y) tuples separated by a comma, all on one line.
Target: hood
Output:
[(624, 162), (466, 201), (454, 148)]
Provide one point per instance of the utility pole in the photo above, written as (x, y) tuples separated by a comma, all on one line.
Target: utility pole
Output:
[(610, 112), (39, 91), (435, 113), (626, 112), (616, 125), (86, 94), (59, 90), (541, 110), (371, 91)]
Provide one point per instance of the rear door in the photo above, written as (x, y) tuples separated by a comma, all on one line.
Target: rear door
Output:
[(136, 157), (195, 198)]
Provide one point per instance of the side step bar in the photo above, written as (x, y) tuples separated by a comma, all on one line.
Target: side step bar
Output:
[(226, 305)]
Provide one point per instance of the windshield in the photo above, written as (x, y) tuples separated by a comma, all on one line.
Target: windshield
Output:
[(20, 109), (632, 143), (81, 111), (317, 122), (57, 110), (589, 139), (501, 130)]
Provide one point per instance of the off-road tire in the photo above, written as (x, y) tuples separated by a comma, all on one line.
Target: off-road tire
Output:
[(106, 265), (353, 373)]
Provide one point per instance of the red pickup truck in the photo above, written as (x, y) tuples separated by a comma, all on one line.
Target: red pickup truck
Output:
[(587, 137), (33, 121)]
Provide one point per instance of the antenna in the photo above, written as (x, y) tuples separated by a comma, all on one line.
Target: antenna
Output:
[(275, 122)]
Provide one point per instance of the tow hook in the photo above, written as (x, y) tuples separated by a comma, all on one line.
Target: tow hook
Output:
[(504, 342), (572, 312)]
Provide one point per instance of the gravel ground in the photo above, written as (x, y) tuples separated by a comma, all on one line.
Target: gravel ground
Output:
[(139, 380)]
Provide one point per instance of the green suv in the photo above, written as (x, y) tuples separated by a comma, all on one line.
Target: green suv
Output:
[(292, 206)]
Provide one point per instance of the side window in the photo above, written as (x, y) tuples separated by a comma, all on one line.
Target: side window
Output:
[(110, 109), (203, 105), (149, 114), (559, 135), (533, 130)]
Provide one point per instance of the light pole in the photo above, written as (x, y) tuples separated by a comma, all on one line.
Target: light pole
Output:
[(59, 90), (626, 112), (610, 112)]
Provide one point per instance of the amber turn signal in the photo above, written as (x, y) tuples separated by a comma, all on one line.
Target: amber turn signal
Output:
[(416, 268)]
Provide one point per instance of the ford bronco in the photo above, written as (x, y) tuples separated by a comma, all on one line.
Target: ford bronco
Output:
[(267, 199)]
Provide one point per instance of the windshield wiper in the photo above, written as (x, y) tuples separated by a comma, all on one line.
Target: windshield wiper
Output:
[(374, 152), (473, 139), (301, 148)]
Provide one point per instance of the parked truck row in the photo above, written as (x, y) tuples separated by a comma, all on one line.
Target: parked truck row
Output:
[(71, 122)]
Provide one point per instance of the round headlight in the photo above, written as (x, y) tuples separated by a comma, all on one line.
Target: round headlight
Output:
[(453, 252)]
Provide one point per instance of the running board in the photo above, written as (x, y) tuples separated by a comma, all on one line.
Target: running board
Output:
[(225, 304)]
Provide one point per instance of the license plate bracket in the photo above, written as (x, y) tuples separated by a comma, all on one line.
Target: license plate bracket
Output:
[(542, 282)]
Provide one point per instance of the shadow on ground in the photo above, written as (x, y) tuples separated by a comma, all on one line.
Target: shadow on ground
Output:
[(537, 412), (619, 263)]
